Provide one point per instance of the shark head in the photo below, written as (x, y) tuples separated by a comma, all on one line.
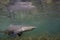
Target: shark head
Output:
[(27, 28)]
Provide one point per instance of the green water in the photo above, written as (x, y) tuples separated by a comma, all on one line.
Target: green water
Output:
[(48, 21), (44, 21)]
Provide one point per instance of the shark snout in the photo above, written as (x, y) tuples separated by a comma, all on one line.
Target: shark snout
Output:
[(28, 28)]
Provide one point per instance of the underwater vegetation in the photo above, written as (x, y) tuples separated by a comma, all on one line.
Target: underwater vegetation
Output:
[(42, 36)]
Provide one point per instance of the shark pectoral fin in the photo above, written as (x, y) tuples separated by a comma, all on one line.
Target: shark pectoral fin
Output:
[(19, 34)]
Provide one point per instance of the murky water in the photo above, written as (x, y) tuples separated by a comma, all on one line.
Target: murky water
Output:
[(44, 21)]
